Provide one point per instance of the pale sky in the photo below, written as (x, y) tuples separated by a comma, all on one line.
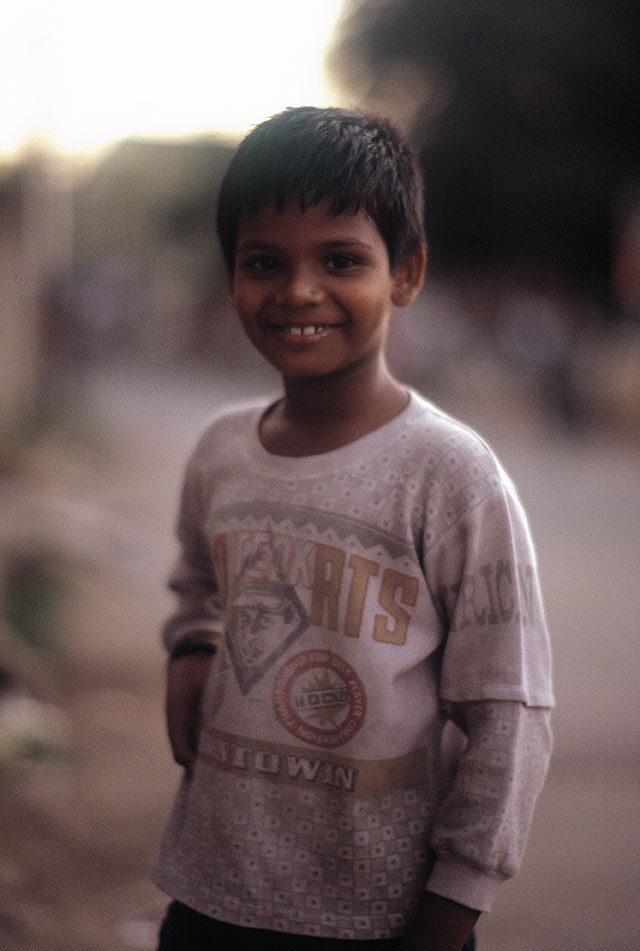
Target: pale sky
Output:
[(81, 73)]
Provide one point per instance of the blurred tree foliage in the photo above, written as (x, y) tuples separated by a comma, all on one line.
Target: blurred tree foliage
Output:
[(526, 115), (33, 597)]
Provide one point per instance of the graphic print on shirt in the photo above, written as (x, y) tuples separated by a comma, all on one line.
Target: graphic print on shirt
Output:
[(264, 577), (319, 698), (265, 615)]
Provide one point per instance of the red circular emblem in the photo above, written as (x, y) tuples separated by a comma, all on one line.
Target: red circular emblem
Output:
[(319, 698)]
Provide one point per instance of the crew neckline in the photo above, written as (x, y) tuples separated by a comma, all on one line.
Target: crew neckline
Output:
[(349, 454)]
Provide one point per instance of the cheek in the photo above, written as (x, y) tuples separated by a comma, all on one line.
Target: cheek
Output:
[(249, 327), (245, 304), (374, 308), (236, 296)]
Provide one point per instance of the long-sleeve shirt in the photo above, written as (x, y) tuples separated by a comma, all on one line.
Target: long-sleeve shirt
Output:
[(376, 720)]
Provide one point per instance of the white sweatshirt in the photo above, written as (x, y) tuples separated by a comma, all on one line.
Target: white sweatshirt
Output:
[(364, 601)]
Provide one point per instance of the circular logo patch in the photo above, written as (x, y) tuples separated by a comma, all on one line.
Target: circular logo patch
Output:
[(319, 698)]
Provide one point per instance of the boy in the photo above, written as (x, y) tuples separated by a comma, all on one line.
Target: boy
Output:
[(358, 682)]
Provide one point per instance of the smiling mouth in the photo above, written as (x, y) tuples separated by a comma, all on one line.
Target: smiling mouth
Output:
[(305, 330)]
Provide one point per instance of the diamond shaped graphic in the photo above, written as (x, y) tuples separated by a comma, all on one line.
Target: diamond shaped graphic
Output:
[(264, 619)]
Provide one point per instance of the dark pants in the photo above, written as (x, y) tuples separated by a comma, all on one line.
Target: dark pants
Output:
[(187, 930)]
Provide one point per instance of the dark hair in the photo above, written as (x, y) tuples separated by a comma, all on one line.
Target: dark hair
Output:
[(350, 159)]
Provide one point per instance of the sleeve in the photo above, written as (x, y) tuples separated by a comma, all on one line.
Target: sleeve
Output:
[(495, 678), (198, 615), (482, 827), (483, 578)]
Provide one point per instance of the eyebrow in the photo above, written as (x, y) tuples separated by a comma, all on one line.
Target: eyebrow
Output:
[(332, 245)]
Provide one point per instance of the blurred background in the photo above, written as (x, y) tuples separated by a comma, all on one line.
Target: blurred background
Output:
[(117, 344)]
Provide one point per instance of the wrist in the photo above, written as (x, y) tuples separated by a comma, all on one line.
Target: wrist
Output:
[(440, 925), (187, 649)]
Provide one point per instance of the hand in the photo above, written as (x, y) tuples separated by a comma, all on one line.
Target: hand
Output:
[(440, 925), (186, 680)]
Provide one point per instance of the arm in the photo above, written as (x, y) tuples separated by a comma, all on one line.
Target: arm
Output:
[(481, 830), (191, 632), (187, 676), (197, 618), (496, 671)]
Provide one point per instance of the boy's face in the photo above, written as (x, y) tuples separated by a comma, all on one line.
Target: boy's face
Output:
[(314, 290)]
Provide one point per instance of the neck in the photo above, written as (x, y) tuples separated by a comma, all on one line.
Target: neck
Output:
[(318, 415), (340, 399)]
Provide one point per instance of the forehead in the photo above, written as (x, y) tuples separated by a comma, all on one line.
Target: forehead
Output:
[(313, 224)]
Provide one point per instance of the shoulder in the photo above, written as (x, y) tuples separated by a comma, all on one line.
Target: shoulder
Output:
[(233, 423), (448, 443), (223, 446), (460, 473)]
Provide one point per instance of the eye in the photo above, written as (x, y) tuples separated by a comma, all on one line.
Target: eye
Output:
[(259, 264), (341, 262)]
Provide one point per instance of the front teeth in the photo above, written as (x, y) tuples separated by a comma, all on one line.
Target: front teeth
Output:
[(307, 331)]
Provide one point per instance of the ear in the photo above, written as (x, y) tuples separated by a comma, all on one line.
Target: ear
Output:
[(408, 279)]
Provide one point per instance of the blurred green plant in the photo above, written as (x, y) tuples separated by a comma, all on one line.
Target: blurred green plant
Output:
[(34, 593), (31, 730)]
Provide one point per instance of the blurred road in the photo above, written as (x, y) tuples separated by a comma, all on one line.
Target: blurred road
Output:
[(77, 839)]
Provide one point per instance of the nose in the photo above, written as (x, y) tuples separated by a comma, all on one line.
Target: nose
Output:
[(299, 288)]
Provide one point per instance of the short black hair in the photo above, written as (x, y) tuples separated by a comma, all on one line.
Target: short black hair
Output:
[(351, 159)]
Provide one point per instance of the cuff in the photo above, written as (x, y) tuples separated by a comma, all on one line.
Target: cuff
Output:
[(186, 648), (451, 878), (174, 639)]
